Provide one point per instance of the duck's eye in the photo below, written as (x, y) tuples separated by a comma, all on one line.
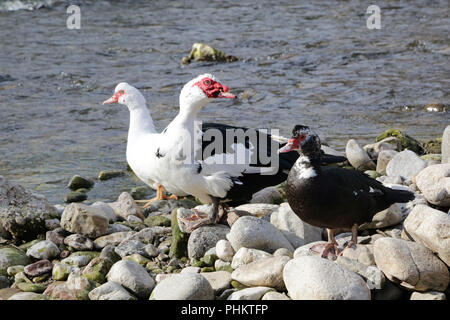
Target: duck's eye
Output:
[(207, 82), (302, 137), (121, 92)]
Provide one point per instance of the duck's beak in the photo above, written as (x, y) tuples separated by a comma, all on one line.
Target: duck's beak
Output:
[(113, 99), (223, 93), (291, 145)]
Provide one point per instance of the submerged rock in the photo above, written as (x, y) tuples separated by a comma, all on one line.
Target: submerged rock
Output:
[(204, 52), (78, 182), (109, 174)]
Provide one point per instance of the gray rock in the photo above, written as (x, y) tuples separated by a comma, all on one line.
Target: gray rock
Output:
[(183, 286), (43, 250), (357, 157), (252, 232), (266, 195), (375, 279), (219, 280), (267, 272), (293, 228), (22, 211), (76, 261), (110, 291), (11, 257), (383, 159), (254, 293), (133, 277), (389, 143), (112, 239), (224, 250), (78, 182), (405, 164), (51, 224), (86, 220), (273, 295), (388, 217), (446, 145), (247, 255), (129, 247), (431, 228), (314, 278), (306, 249), (410, 264), (434, 183), (205, 238), (117, 227), (125, 206), (145, 235), (108, 212), (79, 242), (258, 209), (28, 296)]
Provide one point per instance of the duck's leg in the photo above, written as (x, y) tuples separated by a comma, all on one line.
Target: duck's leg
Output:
[(326, 248), (159, 196), (354, 240), (197, 220)]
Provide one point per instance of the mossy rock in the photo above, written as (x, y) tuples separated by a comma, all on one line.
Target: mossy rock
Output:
[(406, 141), (140, 192), (75, 196), (226, 268), (31, 287), (204, 52), (29, 244), (372, 173), (237, 285), (136, 257), (432, 156), (97, 269), (77, 182), (198, 263), (209, 259), (12, 257), (153, 221), (61, 271), (207, 269), (178, 248), (109, 174), (433, 146), (90, 254)]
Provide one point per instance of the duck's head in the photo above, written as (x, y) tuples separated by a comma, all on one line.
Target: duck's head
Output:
[(128, 95), (201, 90), (304, 140)]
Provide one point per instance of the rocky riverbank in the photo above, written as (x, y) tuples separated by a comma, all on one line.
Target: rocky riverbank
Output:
[(259, 250)]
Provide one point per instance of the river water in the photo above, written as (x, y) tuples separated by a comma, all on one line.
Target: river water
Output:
[(300, 63)]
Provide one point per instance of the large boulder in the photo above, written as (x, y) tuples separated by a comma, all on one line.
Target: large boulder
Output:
[(431, 228), (410, 264), (253, 232), (86, 220), (315, 278), (405, 164), (434, 183), (22, 211), (293, 228)]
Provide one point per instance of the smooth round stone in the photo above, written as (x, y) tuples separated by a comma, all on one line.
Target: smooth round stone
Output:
[(183, 286)]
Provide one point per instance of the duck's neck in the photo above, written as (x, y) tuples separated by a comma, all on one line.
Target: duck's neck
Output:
[(140, 122), (188, 112), (308, 166)]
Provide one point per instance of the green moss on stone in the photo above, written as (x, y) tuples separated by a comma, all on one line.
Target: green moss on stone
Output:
[(178, 248), (406, 141)]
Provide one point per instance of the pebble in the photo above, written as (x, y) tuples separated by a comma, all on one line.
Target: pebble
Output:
[(112, 239), (405, 164), (224, 250), (110, 291), (258, 209), (183, 286), (430, 295), (86, 220), (38, 268), (315, 278), (434, 183), (410, 264), (293, 228), (383, 159), (219, 280), (254, 293), (107, 211), (125, 206), (252, 232), (43, 250), (79, 242), (204, 238), (247, 255), (129, 247), (358, 157), (133, 277), (431, 228), (267, 272)]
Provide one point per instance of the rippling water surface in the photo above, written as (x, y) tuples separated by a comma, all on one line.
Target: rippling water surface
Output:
[(314, 64)]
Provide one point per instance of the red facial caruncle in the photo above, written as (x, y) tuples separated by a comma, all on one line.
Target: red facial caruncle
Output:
[(213, 89), (115, 97)]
